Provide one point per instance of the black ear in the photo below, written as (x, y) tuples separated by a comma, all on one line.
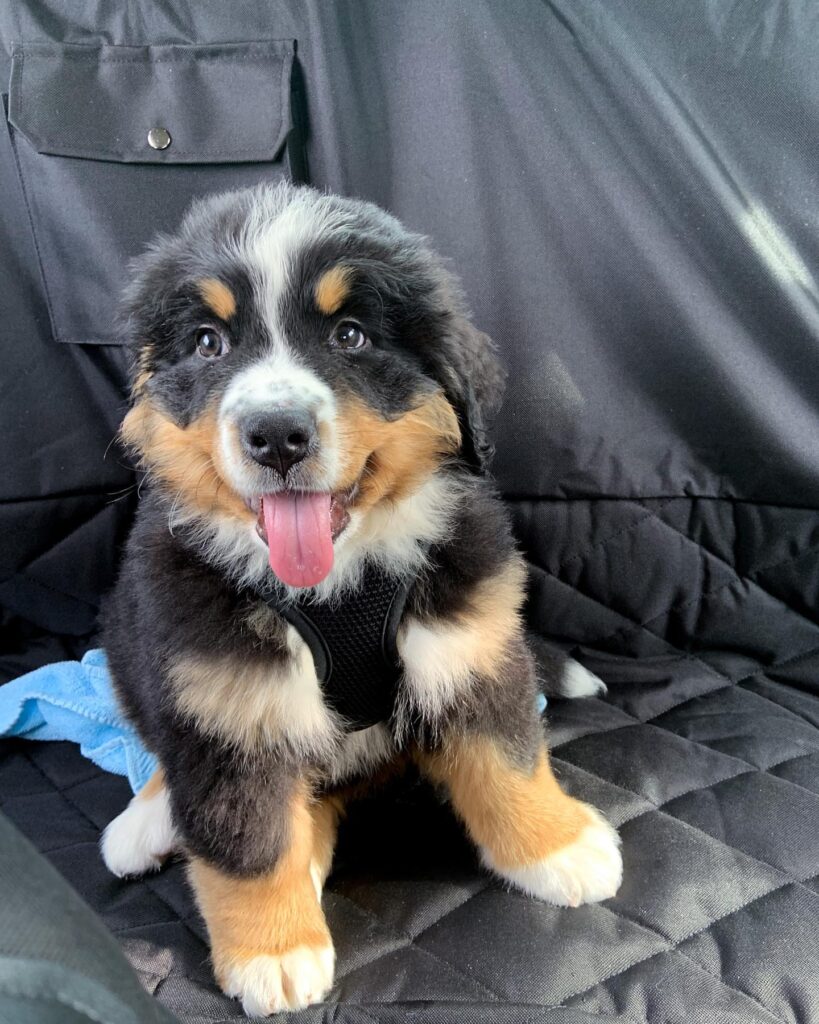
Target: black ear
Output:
[(473, 381)]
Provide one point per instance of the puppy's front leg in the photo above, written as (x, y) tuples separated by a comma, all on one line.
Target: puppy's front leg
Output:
[(470, 687), (527, 829), (269, 941)]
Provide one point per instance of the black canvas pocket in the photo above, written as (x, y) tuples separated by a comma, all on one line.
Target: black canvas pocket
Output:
[(113, 143)]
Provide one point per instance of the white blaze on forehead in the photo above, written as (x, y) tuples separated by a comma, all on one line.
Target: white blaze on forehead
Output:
[(274, 244), (278, 381)]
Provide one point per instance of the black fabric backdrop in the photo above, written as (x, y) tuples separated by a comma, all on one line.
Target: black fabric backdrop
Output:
[(629, 191)]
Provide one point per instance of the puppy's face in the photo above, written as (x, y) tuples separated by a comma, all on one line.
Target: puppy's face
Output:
[(301, 361)]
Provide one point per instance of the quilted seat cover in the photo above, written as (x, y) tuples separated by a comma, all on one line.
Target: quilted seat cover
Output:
[(629, 190)]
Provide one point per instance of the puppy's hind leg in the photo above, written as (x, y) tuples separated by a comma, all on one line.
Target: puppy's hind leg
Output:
[(140, 838)]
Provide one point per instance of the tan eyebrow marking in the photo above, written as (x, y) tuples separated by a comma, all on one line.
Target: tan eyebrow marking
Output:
[(332, 289), (219, 297)]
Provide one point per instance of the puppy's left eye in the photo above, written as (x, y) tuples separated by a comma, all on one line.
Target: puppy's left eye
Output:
[(211, 344), (349, 336)]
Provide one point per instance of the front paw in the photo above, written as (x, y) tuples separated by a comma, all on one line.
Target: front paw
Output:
[(268, 984), (587, 870), (140, 838)]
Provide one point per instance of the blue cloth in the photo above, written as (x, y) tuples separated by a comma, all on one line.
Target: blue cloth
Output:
[(74, 700)]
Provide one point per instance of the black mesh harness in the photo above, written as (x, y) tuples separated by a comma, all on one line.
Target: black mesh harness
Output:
[(353, 643)]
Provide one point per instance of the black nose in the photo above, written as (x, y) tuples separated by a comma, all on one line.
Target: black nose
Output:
[(278, 439)]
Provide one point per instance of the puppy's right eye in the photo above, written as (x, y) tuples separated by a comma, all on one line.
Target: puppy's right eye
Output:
[(211, 344)]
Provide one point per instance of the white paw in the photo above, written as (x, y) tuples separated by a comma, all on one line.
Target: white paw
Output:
[(586, 871), (269, 984), (579, 682), (139, 839)]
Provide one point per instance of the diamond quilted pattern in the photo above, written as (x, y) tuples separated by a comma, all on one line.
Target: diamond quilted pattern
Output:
[(431, 925), (646, 760), (706, 757), (523, 949), (769, 950), (785, 819), (671, 987), (660, 889), (737, 723)]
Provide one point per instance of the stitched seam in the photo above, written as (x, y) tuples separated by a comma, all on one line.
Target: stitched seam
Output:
[(410, 940), (686, 792), (639, 498), (21, 178), (687, 656), (674, 948), (730, 685), (633, 624), (700, 596), (226, 58), (699, 743), (165, 158), (622, 532), (697, 931), (694, 828), (743, 576), (19, 570), (557, 761)]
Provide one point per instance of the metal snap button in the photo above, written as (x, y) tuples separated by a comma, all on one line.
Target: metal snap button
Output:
[(159, 138)]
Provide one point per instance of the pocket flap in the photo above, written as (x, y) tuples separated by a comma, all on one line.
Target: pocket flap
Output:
[(220, 103)]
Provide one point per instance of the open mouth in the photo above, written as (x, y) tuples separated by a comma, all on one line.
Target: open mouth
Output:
[(299, 528)]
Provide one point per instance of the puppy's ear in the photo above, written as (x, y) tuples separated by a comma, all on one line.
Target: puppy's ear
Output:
[(473, 381)]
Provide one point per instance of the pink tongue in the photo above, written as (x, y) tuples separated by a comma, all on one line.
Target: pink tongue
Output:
[(299, 537)]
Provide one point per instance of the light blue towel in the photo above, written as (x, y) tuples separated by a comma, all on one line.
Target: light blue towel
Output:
[(74, 700)]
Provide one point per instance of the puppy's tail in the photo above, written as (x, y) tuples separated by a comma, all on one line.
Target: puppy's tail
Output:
[(562, 676)]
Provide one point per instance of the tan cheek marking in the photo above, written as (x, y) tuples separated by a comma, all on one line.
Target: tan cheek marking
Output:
[(519, 816), (153, 787), (218, 297), (395, 456), (268, 915), (252, 705), (186, 459), (332, 289)]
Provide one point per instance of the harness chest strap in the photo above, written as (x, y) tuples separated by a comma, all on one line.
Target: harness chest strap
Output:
[(354, 644)]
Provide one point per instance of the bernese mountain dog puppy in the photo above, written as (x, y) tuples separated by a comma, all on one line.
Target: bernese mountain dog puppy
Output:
[(321, 579)]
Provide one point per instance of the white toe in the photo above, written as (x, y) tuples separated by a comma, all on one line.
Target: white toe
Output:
[(139, 839), (270, 984), (579, 682), (586, 871)]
